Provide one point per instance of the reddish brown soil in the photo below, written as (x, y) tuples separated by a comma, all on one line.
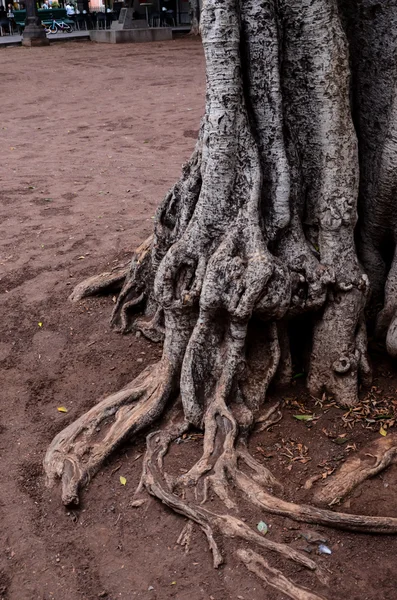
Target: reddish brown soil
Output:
[(91, 138)]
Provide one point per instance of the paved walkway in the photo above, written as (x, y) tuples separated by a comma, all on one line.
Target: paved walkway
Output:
[(16, 40)]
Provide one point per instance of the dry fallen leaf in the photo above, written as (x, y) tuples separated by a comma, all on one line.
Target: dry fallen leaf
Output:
[(304, 417), (123, 480), (62, 409)]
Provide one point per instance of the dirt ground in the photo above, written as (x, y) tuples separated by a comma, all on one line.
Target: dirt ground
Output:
[(91, 138)]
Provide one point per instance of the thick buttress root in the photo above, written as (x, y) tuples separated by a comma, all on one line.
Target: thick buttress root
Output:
[(133, 285), (105, 283), (77, 452)]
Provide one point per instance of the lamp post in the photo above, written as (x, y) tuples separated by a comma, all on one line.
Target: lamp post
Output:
[(34, 33)]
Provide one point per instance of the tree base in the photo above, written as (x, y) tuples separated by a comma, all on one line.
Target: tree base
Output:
[(258, 232), (34, 35)]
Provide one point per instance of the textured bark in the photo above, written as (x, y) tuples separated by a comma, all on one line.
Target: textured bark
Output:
[(372, 31), (258, 235), (195, 16)]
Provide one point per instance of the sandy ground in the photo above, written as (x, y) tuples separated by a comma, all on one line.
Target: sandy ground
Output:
[(91, 138)]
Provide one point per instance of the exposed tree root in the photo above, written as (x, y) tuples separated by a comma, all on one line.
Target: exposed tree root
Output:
[(79, 451), (258, 565), (226, 463), (119, 280), (270, 417), (311, 514), (161, 485), (105, 283), (371, 460)]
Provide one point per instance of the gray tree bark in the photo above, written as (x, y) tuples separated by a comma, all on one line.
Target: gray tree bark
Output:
[(195, 10), (260, 232)]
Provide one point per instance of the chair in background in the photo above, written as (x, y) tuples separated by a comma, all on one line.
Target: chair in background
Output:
[(81, 22), (6, 24), (168, 18), (155, 19), (101, 21)]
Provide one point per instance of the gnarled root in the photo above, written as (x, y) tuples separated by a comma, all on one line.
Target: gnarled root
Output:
[(105, 283), (273, 577), (117, 278), (161, 485), (78, 451), (372, 459), (310, 514), (226, 465)]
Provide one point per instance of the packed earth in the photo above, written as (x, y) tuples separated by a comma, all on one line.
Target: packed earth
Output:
[(88, 151)]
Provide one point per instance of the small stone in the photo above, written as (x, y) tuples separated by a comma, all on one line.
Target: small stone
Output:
[(137, 503), (313, 537), (322, 549), (103, 594), (138, 334), (139, 360), (262, 527), (150, 588)]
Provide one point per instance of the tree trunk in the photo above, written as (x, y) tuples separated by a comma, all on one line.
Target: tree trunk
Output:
[(258, 235), (195, 16)]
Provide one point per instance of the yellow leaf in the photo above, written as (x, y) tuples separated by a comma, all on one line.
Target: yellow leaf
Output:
[(173, 582), (382, 431), (62, 409), (123, 480), (40, 324)]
